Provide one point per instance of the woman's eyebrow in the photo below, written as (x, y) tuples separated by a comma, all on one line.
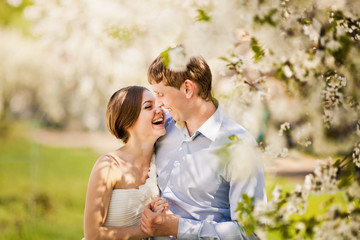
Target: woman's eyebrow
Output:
[(147, 102)]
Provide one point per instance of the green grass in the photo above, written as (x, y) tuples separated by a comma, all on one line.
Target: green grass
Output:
[(42, 189)]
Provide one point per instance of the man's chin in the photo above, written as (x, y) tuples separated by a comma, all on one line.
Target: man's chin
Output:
[(174, 116)]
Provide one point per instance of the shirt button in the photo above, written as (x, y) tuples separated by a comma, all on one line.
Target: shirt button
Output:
[(176, 164)]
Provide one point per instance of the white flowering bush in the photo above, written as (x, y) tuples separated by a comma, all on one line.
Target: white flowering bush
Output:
[(286, 213), (287, 70), (313, 48)]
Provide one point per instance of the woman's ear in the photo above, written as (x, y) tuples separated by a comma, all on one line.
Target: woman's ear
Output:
[(189, 88)]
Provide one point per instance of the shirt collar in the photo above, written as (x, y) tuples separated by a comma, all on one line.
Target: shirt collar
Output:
[(211, 127)]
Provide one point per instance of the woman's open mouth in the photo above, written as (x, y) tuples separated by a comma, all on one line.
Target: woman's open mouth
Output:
[(159, 120)]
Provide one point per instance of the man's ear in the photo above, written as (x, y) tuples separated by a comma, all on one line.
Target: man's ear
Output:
[(189, 88)]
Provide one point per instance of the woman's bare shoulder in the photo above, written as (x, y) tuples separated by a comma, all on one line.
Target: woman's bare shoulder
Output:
[(109, 162)]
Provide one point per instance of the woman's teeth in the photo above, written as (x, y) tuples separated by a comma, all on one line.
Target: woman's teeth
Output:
[(158, 121)]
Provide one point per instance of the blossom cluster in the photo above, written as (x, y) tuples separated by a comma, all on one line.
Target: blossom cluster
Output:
[(286, 210), (284, 128), (356, 154), (324, 178)]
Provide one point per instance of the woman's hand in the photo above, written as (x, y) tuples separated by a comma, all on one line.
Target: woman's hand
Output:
[(158, 204)]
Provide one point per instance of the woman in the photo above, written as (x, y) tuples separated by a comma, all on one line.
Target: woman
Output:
[(122, 181)]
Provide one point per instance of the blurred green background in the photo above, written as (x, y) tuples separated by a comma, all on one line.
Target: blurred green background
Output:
[(42, 188)]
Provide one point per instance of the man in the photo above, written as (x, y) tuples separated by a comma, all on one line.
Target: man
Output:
[(202, 189)]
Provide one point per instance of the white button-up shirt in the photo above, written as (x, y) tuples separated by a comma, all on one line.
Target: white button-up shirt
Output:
[(200, 187)]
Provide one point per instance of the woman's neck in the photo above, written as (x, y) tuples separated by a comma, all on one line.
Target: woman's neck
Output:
[(138, 151)]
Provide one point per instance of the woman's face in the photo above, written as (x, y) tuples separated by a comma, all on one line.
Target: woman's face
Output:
[(151, 119)]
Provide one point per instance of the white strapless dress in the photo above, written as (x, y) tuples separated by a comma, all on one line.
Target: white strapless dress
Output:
[(126, 205)]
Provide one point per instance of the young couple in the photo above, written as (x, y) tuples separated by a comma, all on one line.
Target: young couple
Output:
[(199, 193)]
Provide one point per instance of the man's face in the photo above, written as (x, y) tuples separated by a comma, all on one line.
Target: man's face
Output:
[(172, 99)]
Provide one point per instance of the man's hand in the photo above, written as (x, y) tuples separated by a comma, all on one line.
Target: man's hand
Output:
[(163, 223)]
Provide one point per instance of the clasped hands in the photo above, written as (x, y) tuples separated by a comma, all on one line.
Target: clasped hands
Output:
[(158, 220)]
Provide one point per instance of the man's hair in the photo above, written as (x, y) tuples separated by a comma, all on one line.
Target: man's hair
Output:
[(197, 70), (123, 110)]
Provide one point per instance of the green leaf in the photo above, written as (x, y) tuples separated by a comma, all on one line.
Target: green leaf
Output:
[(279, 73), (13, 17), (341, 54), (224, 59), (202, 16), (165, 56), (234, 138), (338, 15), (245, 217), (122, 33), (268, 18), (337, 163), (346, 176), (256, 48)]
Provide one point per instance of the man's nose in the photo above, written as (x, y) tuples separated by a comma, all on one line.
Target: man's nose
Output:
[(158, 110), (158, 102)]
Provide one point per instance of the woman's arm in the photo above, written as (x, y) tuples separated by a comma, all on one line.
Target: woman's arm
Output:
[(102, 180)]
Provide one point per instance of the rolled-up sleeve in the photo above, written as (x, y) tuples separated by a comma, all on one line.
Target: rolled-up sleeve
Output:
[(193, 229)]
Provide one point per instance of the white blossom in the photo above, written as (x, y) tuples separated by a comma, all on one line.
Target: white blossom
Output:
[(14, 3), (283, 128), (333, 45), (324, 178), (287, 71), (356, 154), (276, 193), (272, 153), (178, 59)]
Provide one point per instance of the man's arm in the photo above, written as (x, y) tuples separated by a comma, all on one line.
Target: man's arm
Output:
[(193, 229), (167, 224), (253, 185)]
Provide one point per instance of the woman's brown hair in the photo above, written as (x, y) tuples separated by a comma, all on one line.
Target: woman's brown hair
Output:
[(123, 110)]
